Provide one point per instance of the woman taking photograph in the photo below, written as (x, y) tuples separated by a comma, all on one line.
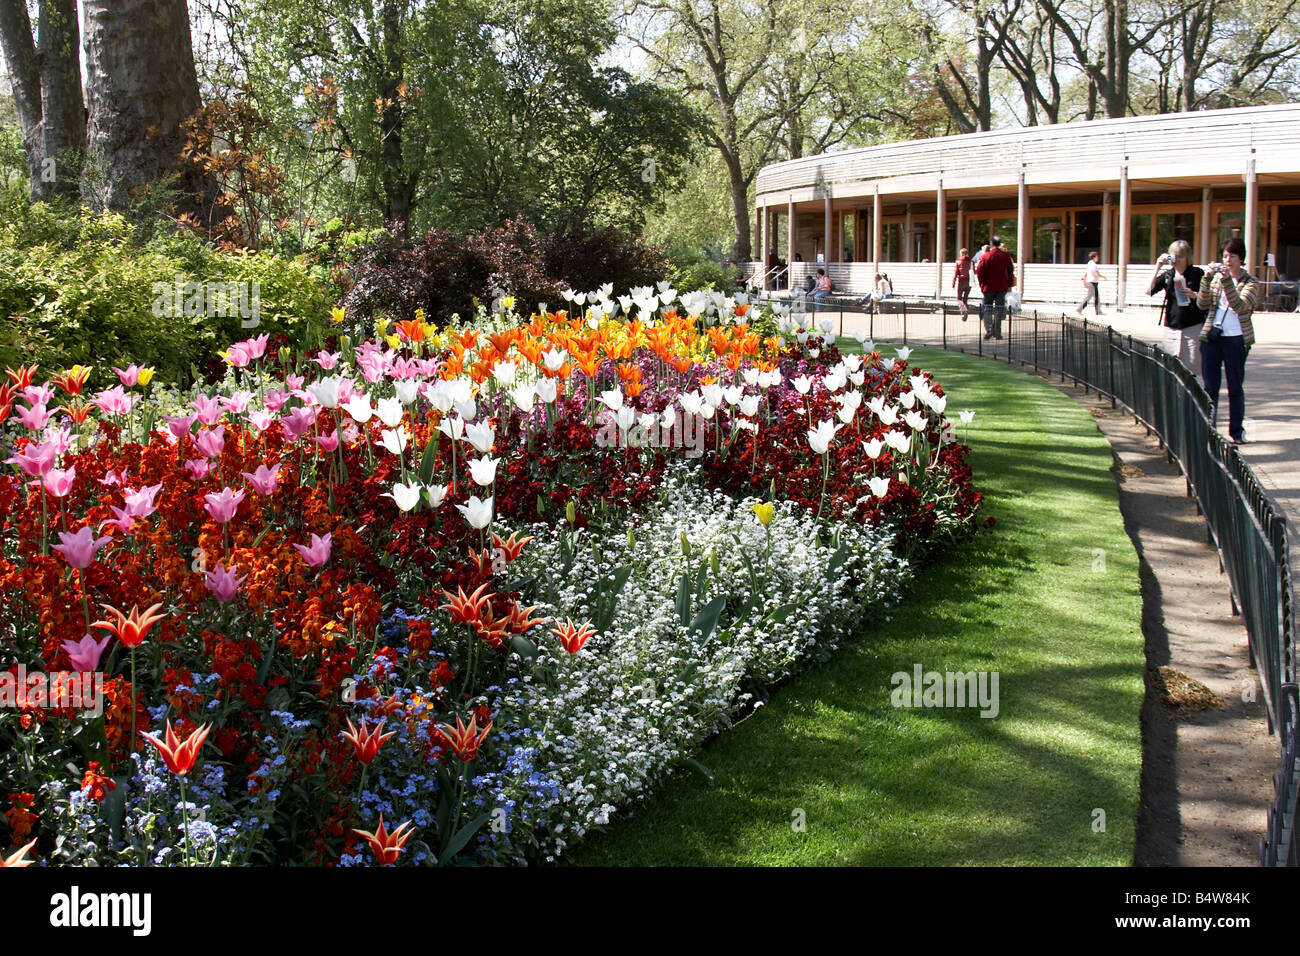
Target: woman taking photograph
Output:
[(1180, 282), (961, 282), (1228, 294)]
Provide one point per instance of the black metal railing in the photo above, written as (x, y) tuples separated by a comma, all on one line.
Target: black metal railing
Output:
[(1248, 529)]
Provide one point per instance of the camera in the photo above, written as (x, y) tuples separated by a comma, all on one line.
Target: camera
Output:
[(1165, 259)]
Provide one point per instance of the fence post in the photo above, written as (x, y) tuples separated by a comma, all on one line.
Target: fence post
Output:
[(1062, 348), (1110, 358), (1085, 357), (1036, 368), (871, 326), (904, 325)]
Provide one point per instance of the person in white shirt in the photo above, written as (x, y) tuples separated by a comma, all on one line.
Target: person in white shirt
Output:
[(1091, 280)]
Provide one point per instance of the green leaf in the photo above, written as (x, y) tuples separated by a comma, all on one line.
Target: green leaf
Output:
[(779, 614), (690, 763), (115, 807), (523, 647), (702, 579), (707, 619), (684, 599), (458, 842)]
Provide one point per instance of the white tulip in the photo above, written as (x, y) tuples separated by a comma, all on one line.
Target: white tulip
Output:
[(903, 353), (820, 438), (612, 399), (389, 411), (359, 408), (483, 470), (749, 405), (481, 435), (393, 439), (879, 486), (524, 396), (967, 417), (407, 391), (435, 494), (478, 513), (873, 448), (504, 373), (406, 496), (916, 420), (547, 390), (899, 441), (453, 426)]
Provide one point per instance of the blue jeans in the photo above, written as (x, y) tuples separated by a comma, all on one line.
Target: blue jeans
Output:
[(993, 310), (821, 293), (1230, 353)]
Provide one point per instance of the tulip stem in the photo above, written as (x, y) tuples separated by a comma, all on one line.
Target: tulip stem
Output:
[(185, 810)]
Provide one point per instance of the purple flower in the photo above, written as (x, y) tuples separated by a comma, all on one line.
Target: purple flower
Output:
[(318, 553), (85, 653), (79, 549), (222, 583), (223, 505)]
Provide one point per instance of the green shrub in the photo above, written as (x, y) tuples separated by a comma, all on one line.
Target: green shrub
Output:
[(76, 288)]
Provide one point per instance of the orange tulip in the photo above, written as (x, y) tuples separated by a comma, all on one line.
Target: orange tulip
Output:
[(15, 860), (572, 636), (466, 609), (386, 846), (179, 755), (131, 629), (465, 741), (367, 742)]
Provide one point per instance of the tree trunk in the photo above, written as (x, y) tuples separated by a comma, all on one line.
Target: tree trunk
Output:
[(399, 187), (20, 58), (141, 88), (740, 247), (63, 133)]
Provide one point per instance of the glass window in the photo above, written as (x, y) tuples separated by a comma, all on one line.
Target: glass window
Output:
[(922, 240), (950, 239), (1087, 233), (1049, 239), (891, 242), (847, 233), (1139, 238), (1006, 229), (1174, 225), (979, 234)]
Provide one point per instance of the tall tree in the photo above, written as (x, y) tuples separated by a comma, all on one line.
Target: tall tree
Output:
[(141, 88), (46, 76)]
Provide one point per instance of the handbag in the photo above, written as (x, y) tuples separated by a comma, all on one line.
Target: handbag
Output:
[(1013, 301)]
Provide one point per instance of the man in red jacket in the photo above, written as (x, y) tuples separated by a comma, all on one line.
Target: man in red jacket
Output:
[(996, 273)]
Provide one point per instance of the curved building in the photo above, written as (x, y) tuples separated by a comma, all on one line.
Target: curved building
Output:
[(1125, 188)]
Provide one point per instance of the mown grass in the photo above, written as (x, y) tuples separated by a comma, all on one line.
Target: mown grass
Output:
[(1049, 599)]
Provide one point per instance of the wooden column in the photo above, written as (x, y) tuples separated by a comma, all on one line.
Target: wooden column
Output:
[(1022, 233), (1206, 250), (1105, 228), (826, 231), (1250, 228), (908, 238), (1122, 253), (875, 235), (789, 235), (961, 225), (764, 239), (940, 238)]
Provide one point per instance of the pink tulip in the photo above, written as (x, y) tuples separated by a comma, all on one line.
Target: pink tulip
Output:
[(328, 442), (79, 549), (114, 401), (207, 410), (295, 382), (130, 376), (298, 422), (261, 420), (33, 418), (327, 360), (222, 583), (264, 480), (256, 347), (112, 478), (124, 521), (275, 400), (36, 461), (86, 653), (140, 503), (318, 553), (181, 426), (210, 443), (222, 506), (59, 483), (198, 468), (38, 394), (237, 403), (237, 356)]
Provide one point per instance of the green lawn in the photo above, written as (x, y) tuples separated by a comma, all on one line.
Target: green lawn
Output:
[(879, 785)]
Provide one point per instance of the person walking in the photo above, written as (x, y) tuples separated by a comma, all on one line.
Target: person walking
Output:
[(996, 274), (1229, 294), (1180, 281), (961, 282), (980, 255), (1092, 282)]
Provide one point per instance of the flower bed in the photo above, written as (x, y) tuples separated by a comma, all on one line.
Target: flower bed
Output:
[(443, 595)]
